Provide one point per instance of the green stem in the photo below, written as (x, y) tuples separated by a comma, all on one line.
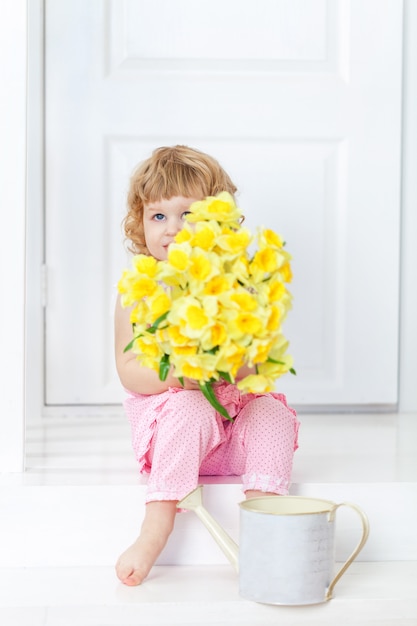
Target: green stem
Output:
[(130, 345), (152, 329), (164, 367), (226, 376), (207, 389)]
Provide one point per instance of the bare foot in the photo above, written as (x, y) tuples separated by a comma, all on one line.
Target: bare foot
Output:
[(135, 563)]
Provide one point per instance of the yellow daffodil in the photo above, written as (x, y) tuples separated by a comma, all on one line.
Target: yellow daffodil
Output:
[(203, 266), (230, 358), (158, 305), (234, 242), (176, 337), (140, 287), (267, 238), (218, 284), (138, 313), (279, 347), (247, 324), (186, 350), (185, 235), (276, 291), (199, 367), (286, 272), (191, 315), (265, 261), (213, 336), (244, 300), (274, 319), (125, 287), (178, 256), (240, 269), (258, 351), (205, 235), (273, 370), (195, 317), (212, 306), (221, 208), (255, 383), (146, 345), (145, 264)]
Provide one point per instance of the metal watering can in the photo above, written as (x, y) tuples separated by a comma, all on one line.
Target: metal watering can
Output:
[(286, 551)]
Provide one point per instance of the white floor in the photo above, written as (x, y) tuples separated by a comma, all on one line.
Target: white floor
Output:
[(369, 457), (369, 594)]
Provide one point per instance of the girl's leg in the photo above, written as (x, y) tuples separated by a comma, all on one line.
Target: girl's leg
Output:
[(269, 429), (260, 447), (135, 563), (187, 430), (256, 493)]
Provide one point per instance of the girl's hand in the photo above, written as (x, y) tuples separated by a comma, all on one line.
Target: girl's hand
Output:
[(245, 371)]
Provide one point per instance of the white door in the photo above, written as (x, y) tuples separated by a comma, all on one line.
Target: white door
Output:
[(299, 100)]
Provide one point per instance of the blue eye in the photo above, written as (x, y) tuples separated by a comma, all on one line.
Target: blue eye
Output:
[(158, 217)]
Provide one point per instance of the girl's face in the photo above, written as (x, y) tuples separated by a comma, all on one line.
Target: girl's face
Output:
[(162, 220)]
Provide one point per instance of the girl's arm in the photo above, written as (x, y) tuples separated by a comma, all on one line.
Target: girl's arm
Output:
[(132, 375)]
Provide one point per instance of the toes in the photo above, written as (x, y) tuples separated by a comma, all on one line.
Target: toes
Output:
[(135, 578), (129, 575), (123, 571)]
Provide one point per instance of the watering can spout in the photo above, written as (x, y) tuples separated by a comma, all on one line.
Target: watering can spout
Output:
[(194, 502)]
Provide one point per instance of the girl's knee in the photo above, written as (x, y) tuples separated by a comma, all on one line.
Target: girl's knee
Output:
[(267, 415), (268, 408)]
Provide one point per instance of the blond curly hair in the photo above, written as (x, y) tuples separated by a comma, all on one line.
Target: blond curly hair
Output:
[(170, 171)]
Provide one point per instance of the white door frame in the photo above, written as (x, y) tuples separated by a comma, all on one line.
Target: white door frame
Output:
[(407, 388), (13, 71), (17, 216)]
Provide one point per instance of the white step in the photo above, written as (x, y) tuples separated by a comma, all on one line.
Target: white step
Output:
[(369, 594), (81, 501), (90, 525)]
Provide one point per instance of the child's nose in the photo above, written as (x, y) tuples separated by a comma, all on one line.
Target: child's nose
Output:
[(174, 226)]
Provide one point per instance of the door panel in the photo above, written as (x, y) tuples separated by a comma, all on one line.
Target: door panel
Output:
[(304, 113)]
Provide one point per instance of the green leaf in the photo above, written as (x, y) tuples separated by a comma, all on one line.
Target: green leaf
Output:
[(226, 376), (129, 345), (207, 389), (291, 370), (164, 367), (152, 329), (181, 379), (269, 360)]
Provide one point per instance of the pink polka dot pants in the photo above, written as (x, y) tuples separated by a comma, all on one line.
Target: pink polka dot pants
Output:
[(178, 436)]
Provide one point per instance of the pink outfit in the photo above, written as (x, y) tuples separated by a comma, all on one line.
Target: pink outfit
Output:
[(177, 436)]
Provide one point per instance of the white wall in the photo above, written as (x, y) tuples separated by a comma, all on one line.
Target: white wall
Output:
[(13, 47), (12, 230)]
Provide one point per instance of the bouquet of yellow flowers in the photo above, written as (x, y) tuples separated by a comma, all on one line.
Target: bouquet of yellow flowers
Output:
[(212, 306)]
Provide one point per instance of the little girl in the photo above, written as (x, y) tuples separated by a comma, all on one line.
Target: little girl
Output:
[(176, 434)]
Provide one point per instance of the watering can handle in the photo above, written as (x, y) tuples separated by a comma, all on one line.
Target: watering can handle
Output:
[(194, 502), (365, 533)]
